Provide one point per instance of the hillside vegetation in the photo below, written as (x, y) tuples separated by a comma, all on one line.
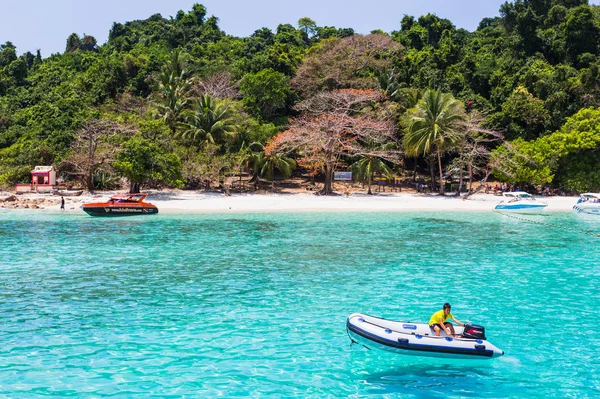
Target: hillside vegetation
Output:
[(177, 102)]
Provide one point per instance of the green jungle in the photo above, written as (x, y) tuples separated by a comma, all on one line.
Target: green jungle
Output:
[(176, 102)]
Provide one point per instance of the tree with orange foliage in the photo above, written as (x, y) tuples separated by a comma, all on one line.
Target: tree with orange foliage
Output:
[(335, 125)]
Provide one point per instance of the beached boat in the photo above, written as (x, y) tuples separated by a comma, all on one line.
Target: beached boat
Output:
[(68, 193), (520, 202), (588, 203), (417, 339), (121, 205)]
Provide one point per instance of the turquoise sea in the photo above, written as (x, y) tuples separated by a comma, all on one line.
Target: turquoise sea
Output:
[(255, 304)]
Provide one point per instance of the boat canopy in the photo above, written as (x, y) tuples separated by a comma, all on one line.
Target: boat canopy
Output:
[(591, 195)]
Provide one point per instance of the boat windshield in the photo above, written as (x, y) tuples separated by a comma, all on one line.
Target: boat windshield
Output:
[(595, 198), (129, 198), (518, 195)]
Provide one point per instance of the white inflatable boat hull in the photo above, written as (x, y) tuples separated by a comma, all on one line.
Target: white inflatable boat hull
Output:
[(415, 339)]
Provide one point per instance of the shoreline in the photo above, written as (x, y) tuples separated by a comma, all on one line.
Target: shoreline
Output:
[(186, 202)]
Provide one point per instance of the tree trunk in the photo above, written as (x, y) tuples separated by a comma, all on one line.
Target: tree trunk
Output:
[(272, 178), (369, 184), (439, 156), (460, 181), (430, 161), (89, 181), (327, 186), (415, 171), (134, 188), (470, 178), (483, 183)]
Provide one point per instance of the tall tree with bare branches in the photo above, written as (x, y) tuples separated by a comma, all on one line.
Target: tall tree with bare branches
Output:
[(332, 128), (219, 85), (346, 63), (93, 148), (473, 143)]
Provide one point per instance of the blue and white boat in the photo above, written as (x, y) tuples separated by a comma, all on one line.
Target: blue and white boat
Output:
[(520, 202), (418, 339), (588, 203)]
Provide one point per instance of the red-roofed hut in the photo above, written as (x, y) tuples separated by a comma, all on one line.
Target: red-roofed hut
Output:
[(43, 180)]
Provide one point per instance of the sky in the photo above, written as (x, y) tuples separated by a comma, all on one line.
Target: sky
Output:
[(45, 24)]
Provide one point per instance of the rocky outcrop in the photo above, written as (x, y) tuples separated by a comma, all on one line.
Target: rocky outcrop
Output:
[(17, 202), (8, 198)]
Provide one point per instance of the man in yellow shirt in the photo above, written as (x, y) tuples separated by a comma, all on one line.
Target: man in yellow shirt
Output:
[(439, 321)]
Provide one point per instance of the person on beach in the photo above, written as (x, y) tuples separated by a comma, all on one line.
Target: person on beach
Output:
[(439, 321), (62, 203)]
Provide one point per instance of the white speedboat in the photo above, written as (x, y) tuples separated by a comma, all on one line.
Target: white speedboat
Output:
[(417, 339), (588, 203), (520, 202)]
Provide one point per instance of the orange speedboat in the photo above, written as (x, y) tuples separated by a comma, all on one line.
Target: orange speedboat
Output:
[(121, 205)]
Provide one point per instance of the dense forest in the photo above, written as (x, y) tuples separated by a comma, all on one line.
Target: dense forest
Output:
[(177, 102)]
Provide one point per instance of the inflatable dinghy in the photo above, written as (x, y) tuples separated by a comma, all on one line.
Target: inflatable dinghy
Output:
[(419, 339)]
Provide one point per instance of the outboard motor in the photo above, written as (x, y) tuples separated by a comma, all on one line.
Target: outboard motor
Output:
[(474, 332)]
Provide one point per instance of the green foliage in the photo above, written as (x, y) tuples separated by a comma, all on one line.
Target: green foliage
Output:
[(530, 71), (364, 168), (308, 26), (268, 162), (143, 162), (432, 126), (581, 32), (8, 54), (265, 92), (251, 131), (567, 157), (579, 172), (519, 162), (523, 115), (204, 165), (211, 120), (173, 88), (73, 43)]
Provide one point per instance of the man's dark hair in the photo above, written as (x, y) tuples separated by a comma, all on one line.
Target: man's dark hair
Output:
[(447, 306)]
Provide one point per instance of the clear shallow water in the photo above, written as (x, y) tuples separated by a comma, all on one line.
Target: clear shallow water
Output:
[(255, 305)]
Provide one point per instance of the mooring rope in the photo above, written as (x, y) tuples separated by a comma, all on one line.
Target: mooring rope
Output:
[(591, 233)]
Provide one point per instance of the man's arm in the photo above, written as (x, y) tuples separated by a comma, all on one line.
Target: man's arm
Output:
[(458, 321)]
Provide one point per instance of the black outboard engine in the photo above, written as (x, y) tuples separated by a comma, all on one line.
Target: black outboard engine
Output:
[(474, 332)]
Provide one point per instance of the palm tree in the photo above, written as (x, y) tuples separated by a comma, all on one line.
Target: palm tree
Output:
[(364, 168), (210, 120), (173, 87), (269, 161), (432, 125)]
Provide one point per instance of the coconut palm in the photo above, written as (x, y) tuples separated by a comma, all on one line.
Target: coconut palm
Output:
[(173, 87), (269, 161), (364, 168), (432, 125), (211, 120)]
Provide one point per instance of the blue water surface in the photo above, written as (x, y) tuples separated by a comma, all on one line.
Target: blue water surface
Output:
[(255, 304)]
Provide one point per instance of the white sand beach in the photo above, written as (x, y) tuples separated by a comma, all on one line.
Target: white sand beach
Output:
[(179, 201)]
